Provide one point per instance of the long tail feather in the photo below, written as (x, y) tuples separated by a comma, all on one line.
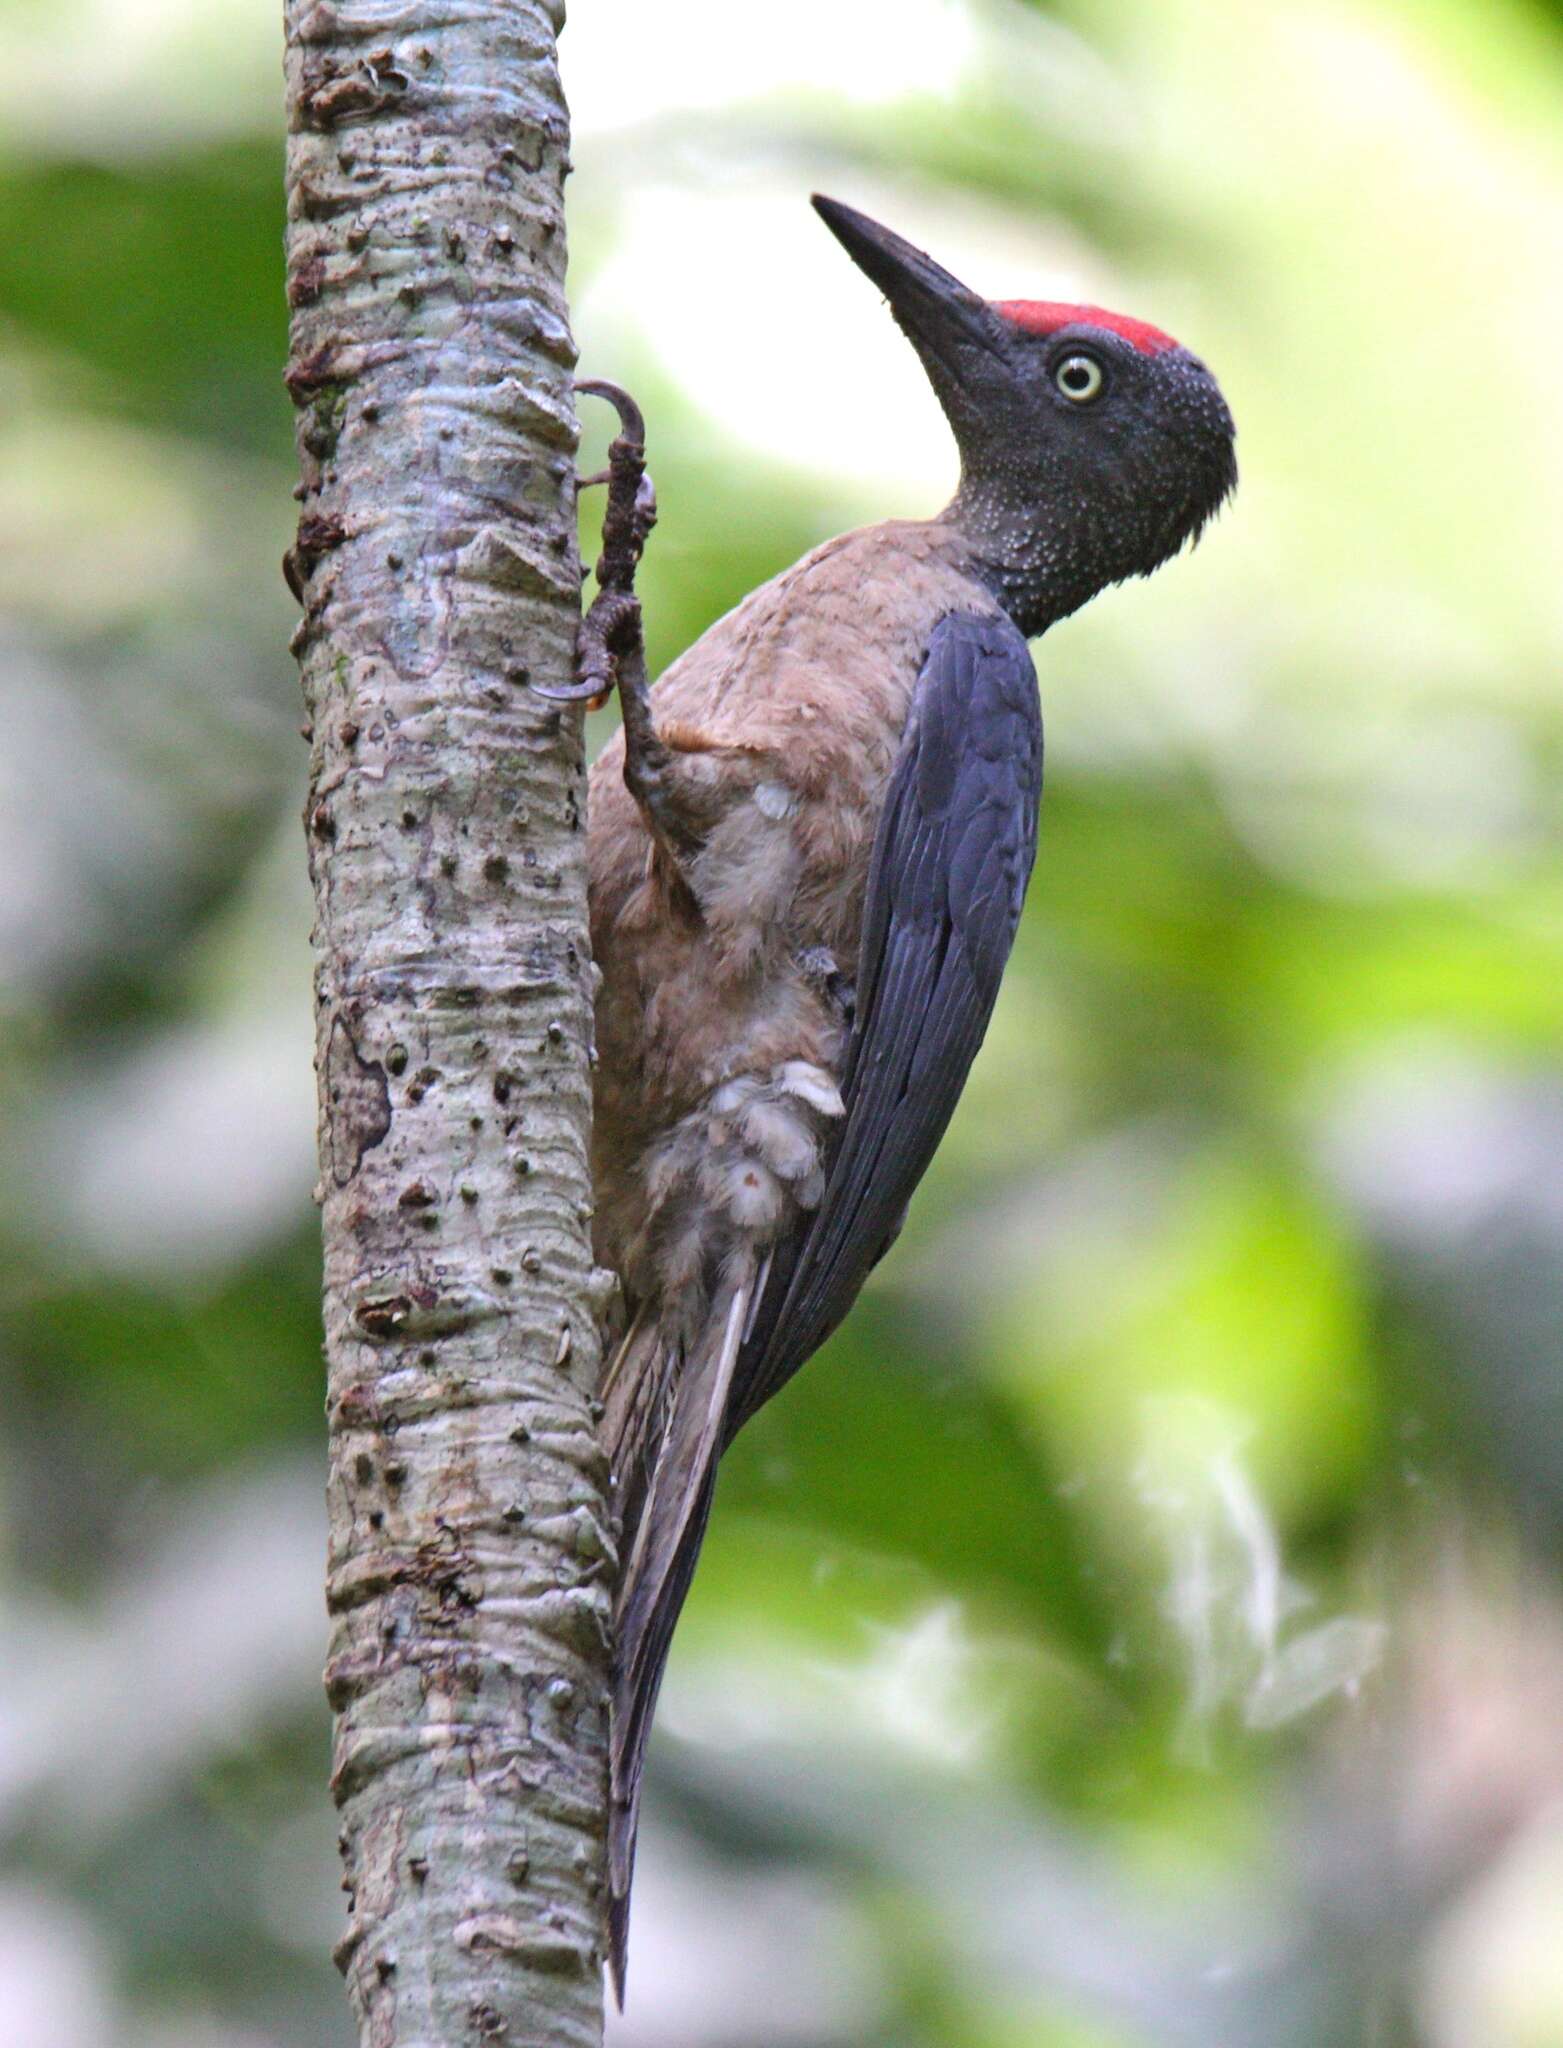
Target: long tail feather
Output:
[(671, 1495)]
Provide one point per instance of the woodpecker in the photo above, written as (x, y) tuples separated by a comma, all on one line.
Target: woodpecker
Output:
[(808, 848)]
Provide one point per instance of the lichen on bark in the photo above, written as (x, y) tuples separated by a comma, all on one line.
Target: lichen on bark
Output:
[(469, 1575)]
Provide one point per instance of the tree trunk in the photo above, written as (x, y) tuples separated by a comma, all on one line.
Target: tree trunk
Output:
[(470, 1552)]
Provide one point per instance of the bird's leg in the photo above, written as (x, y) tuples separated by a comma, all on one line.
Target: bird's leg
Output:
[(611, 627), (610, 647)]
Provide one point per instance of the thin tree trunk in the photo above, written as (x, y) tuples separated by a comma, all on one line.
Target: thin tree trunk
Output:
[(469, 1571)]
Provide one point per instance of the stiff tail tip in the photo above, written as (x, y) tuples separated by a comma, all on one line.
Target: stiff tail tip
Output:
[(618, 1944), (623, 1820)]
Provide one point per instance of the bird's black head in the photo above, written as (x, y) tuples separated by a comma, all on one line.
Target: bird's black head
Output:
[(1092, 446)]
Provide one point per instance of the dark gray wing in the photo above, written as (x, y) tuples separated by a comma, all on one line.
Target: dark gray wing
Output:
[(951, 860)]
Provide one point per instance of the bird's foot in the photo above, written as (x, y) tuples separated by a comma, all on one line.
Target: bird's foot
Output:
[(609, 646), (610, 649)]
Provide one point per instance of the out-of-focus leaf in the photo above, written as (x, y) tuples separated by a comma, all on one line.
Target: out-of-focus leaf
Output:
[(162, 281), (883, 1446)]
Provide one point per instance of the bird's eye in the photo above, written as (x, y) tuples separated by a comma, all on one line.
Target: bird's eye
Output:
[(1079, 378)]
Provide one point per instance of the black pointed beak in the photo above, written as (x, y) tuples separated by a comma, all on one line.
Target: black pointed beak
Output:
[(937, 311)]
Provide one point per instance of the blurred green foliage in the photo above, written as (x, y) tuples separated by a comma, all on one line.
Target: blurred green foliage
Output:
[(1140, 1626)]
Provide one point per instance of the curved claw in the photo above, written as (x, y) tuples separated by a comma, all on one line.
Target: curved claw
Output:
[(573, 693), (632, 424)]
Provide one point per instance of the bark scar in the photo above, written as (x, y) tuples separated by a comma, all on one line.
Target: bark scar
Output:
[(318, 534), (360, 1098), (332, 96)]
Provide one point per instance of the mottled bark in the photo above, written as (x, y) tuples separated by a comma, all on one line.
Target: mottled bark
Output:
[(470, 1571)]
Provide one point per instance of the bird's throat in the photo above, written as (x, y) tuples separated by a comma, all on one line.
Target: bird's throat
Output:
[(1039, 570)]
